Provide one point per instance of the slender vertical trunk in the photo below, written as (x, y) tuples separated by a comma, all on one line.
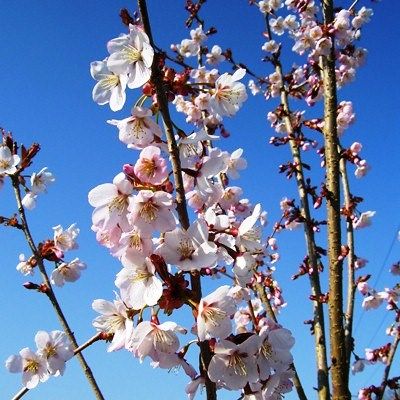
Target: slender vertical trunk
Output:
[(339, 365), (318, 311)]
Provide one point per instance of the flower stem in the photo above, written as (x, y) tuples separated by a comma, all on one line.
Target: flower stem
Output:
[(50, 293)]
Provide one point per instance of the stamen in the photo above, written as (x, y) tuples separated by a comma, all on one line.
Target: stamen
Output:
[(50, 351), (148, 212), (185, 249), (5, 164), (109, 81), (31, 366), (119, 204), (266, 349), (135, 241), (236, 362), (131, 53), (213, 315), (148, 167)]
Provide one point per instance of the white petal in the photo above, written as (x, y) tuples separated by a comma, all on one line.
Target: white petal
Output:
[(102, 194)]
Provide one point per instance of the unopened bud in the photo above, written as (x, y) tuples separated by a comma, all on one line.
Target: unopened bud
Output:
[(31, 286)]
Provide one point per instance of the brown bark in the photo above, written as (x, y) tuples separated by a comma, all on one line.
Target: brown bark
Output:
[(339, 366)]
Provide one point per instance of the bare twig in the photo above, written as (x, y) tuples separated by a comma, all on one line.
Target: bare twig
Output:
[(351, 287), (49, 290)]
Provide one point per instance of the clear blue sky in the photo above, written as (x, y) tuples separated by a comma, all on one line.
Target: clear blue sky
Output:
[(46, 48)]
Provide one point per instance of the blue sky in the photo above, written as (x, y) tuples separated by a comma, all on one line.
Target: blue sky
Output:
[(46, 49)]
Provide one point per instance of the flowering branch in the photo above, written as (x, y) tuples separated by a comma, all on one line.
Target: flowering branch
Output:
[(48, 290), (318, 321), (205, 353), (77, 351)]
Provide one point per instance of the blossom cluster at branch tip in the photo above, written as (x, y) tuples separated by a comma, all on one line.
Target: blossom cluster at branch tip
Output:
[(53, 350)]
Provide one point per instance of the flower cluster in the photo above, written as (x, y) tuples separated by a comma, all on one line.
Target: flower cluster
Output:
[(135, 217), (53, 350)]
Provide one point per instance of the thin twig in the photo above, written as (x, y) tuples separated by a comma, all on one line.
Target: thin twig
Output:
[(353, 5), (49, 290), (351, 286), (78, 350)]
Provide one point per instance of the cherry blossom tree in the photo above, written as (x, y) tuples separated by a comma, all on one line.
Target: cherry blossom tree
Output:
[(174, 221)]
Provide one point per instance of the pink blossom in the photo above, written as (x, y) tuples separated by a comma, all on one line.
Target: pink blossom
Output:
[(113, 320), (214, 312), (32, 365), (234, 365), (151, 339), (56, 348), (111, 203), (64, 240), (372, 301), (139, 130), (228, 95), (138, 283), (189, 249), (150, 167), (67, 272), (151, 211)]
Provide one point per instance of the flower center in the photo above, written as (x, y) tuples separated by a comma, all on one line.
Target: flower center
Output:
[(109, 82), (63, 240), (118, 204), (163, 340), (266, 349), (185, 249), (148, 212), (31, 366), (148, 167), (141, 276), (213, 315), (131, 54), (4, 164), (50, 351), (236, 362), (114, 323), (135, 241), (138, 128)]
